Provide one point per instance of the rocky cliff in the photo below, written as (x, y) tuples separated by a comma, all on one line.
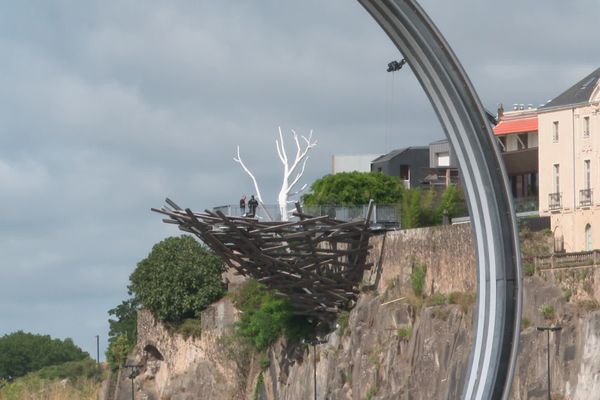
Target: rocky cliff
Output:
[(393, 344)]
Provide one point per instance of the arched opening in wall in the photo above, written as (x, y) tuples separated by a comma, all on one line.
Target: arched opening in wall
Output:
[(588, 238), (559, 241), (153, 353)]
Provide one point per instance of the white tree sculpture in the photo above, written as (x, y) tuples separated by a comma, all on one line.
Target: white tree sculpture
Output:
[(292, 171)]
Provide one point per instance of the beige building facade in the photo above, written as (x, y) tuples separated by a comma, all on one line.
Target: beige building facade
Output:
[(569, 165)]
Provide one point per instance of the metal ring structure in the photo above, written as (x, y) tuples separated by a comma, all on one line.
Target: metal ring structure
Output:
[(493, 223)]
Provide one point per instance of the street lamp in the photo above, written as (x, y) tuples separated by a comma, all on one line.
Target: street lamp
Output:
[(314, 342), (135, 369), (549, 329)]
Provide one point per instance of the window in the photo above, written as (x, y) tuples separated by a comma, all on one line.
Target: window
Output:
[(586, 126), (443, 159), (587, 174), (556, 178), (555, 131), (588, 237), (404, 172)]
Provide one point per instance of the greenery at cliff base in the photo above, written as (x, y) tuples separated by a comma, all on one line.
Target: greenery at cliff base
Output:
[(266, 317)]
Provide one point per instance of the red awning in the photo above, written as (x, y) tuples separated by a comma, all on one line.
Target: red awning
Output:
[(516, 126)]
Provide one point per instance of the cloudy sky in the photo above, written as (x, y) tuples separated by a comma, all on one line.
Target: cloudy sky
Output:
[(106, 108)]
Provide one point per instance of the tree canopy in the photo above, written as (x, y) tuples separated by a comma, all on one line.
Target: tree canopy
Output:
[(354, 188), (122, 334), (21, 353), (178, 279)]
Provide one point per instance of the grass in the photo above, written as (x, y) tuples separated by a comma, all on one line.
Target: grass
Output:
[(76, 380), (528, 269), (587, 305), (464, 299), (417, 279), (436, 299), (373, 389), (404, 333), (525, 323), (190, 327), (547, 311), (343, 320), (567, 294)]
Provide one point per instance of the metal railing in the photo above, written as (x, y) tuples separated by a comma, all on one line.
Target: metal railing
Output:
[(387, 215), (585, 197), (554, 201)]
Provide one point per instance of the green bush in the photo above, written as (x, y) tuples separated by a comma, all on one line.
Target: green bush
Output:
[(21, 353), (266, 317), (436, 299), (528, 269), (178, 279), (190, 327), (525, 323), (86, 368), (343, 321), (123, 330), (404, 332), (354, 188), (547, 311), (118, 350), (464, 299), (417, 279)]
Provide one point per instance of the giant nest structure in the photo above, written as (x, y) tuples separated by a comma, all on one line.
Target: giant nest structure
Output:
[(315, 262)]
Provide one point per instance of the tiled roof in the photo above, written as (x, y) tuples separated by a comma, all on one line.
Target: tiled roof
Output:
[(576, 94), (516, 126)]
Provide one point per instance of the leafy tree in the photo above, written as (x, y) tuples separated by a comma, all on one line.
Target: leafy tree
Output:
[(122, 332), (178, 279), (21, 353), (354, 188)]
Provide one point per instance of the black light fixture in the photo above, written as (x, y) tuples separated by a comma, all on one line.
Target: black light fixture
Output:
[(135, 370), (396, 65), (549, 329), (314, 342)]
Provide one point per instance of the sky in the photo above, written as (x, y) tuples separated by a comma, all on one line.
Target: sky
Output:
[(106, 108)]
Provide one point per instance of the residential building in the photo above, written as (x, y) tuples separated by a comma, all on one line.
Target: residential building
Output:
[(443, 165), (569, 164), (517, 134), (410, 164), (352, 163)]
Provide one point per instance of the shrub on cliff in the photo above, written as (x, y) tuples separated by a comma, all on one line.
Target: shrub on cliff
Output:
[(122, 333), (265, 317), (178, 279)]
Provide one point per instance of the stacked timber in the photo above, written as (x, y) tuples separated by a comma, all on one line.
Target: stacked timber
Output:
[(315, 262)]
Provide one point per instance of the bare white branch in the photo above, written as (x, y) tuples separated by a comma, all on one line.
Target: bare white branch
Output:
[(238, 159)]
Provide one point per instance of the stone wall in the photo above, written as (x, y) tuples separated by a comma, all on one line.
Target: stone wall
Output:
[(446, 251)]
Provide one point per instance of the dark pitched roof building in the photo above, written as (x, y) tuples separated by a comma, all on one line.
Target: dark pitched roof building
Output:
[(580, 93)]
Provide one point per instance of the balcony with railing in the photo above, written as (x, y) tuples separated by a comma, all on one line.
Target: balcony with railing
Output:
[(554, 201), (383, 215), (585, 197)]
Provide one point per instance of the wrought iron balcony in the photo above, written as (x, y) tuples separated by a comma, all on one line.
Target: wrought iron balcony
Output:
[(585, 197), (554, 201)]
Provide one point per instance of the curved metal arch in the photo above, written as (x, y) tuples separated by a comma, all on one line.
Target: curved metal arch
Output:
[(498, 311)]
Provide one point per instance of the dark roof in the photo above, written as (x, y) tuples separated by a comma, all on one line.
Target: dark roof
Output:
[(576, 94), (439, 141), (392, 154)]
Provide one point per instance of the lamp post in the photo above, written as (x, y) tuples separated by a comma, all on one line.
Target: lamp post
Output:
[(98, 350), (549, 329), (134, 372), (314, 342)]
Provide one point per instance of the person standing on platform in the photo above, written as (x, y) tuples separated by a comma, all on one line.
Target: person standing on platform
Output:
[(252, 204), (243, 205)]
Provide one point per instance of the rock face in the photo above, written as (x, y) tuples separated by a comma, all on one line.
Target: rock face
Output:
[(394, 346)]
